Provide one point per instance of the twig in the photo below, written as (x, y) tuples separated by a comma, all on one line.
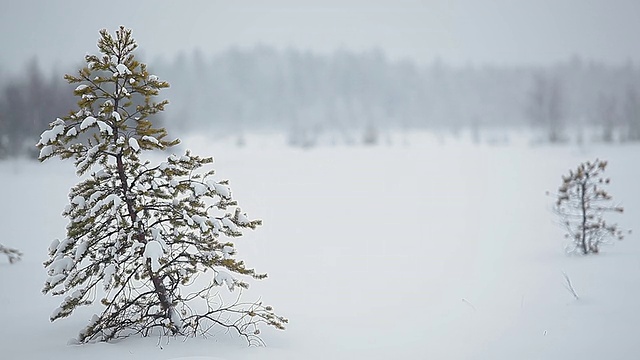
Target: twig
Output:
[(468, 303), (13, 254), (569, 286)]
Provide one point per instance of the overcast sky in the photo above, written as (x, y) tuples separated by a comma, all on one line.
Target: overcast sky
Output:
[(459, 32)]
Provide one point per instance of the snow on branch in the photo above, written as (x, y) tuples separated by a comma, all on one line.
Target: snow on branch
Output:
[(139, 235), (13, 254)]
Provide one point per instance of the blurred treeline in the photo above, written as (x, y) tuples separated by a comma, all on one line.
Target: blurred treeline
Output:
[(28, 103), (304, 94)]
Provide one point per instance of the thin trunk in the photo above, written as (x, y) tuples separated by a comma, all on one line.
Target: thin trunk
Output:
[(158, 285), (583, 189)]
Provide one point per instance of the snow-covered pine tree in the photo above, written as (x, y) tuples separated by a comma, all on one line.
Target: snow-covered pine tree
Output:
[(13, 254), (142, 238), (582, 203)]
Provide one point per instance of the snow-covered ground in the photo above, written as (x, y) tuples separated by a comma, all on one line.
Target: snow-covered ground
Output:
[(420, 249)]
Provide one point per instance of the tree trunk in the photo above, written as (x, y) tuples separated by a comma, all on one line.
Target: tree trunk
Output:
[(159, 287), (583, 190)]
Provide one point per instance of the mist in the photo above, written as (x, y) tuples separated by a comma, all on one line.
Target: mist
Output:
[(401, 157), (458, 32), (340, 70)]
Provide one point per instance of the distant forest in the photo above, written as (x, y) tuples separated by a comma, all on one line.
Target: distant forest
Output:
[(300, 93)]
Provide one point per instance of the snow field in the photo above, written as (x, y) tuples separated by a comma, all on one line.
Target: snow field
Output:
[(425, 250)]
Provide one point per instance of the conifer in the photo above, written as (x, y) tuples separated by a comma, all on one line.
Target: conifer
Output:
[(141, 238), (582, 203)]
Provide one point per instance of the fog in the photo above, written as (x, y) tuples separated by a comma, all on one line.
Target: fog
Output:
[(349, 69), (399, 153), (458, 32)]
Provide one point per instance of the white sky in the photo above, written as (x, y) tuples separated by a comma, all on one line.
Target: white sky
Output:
[(457, 31)]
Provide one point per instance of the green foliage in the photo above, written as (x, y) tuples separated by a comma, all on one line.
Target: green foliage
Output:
[(109, 85), (582, 203), (141, 237)]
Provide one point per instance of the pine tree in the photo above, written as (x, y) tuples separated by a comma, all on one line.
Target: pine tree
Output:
[(582, 204), (141, 237)]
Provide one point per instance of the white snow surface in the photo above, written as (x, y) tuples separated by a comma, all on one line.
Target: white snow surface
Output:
[(81, 249), (108, 273), (417, 250), (122, 70), (78, 200), (45, 151), (153, 251), (150, 139), (134, 144), (222, 277), (230, 224), (223, 190), (50, 135), (87, 122), (226, 252), (198, 188), (105, 128)]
